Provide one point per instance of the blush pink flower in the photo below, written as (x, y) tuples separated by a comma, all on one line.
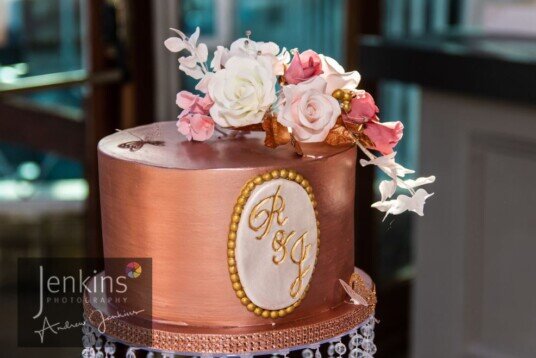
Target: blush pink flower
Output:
[(191, 103), (363, 108), (385, 136), (194, 121), (303, 67), (309, 111), (196, 126)]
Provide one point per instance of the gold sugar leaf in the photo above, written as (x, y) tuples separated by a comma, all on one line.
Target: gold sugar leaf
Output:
[(276, 133), (355, 128), (365, 140), (340, 135)]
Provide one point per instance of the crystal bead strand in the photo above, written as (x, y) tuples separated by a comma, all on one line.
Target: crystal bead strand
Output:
[(131, 353), (360, 345), (367, 345), (307, 353), (340, 349), (109, 349), (98, 346), (318, 354), (88, 353), (316, 347), (331, 349)]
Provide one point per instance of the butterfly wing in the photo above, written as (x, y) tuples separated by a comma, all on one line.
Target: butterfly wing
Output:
[(354, 296), (133, 145)]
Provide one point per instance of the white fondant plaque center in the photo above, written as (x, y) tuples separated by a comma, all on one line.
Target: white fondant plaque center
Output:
[(276, 244)]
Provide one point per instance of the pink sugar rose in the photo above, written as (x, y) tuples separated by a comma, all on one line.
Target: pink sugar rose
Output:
[(385, 136), (196, 126), (303, 66), (309, 111), (191, 103), (363, 108)]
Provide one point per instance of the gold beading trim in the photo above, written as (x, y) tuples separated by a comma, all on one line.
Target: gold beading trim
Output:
[(287, 174), (262, 341)]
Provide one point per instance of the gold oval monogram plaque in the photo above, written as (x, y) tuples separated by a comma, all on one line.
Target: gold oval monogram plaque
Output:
[(273, 242)]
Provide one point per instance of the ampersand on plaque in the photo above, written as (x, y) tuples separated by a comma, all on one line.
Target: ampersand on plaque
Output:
[(273, 243)]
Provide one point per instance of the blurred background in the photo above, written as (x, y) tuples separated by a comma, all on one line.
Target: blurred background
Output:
[(460, 75)]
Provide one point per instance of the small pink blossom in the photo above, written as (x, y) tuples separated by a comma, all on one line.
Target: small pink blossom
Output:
[(363, 108), (303, 67), (191, 103), (385, 136), (196, 126)]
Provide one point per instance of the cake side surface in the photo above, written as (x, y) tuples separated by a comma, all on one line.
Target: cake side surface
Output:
[(175, 203)]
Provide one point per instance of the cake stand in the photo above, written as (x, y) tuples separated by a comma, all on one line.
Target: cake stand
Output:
[(345, 330), (356, 343)]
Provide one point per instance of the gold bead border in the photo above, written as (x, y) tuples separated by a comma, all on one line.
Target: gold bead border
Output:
[(288, 174)]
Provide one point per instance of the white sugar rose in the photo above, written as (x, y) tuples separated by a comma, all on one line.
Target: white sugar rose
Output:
[(336, 77), (308, 110), (242, 92), (267, 52)]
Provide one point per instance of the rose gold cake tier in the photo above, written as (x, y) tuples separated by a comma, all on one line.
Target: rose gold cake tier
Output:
[(173, 203)]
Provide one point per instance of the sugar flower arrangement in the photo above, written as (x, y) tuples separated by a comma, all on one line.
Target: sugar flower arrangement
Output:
[(317, 101)]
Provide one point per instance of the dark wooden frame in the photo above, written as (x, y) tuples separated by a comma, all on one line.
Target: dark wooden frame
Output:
[(115, 105), (44, 129), (103, 117), (393, 310), (120, 95)]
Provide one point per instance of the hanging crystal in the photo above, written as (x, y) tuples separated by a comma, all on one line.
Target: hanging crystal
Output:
[(360, 345)]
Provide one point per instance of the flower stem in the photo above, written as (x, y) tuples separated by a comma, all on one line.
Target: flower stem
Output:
[(220, 131), (365, 150)]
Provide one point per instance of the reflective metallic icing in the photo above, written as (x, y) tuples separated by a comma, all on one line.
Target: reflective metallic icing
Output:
[(173, 203)]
